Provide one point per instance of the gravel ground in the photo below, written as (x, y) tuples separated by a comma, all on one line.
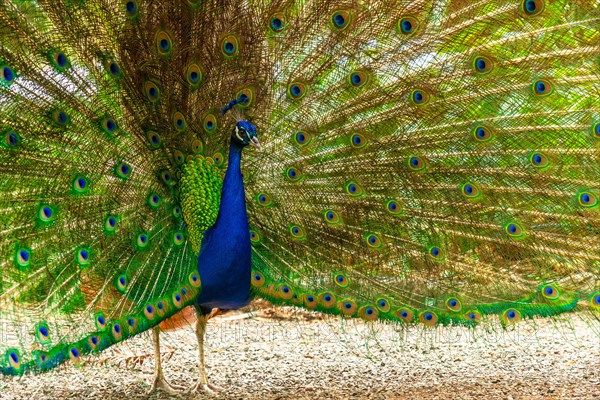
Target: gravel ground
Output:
[(283, 353)]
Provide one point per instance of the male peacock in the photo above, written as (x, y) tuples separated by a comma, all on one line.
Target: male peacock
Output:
[(427, 162)]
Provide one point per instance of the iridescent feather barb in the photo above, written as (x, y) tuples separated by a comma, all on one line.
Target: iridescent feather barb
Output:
[(424, 162)]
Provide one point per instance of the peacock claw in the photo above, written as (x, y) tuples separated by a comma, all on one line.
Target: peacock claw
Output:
[(205, 388), (160, 383)]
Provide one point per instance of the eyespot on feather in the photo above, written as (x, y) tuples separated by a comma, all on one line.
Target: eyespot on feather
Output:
[(595, 301), (511, 316), (154, 139), (13, 359), (341, 19), (194, 279), (358, 140), (405, 315), (258, 280), (331, 217), (416, 163), (161, 306), (341, 280), (177, 299), (596, 130), (121, 283), (94, 342), (46, 213), (296, 90), (245, 96), (123, 170), (263, 199), (587, 199), (154, 200), (297, 232), (152, 91), (100, 321), (470, 190), (347, 307), (368, 313), (210, 124), (178, 121), (310, 301), (61, 118), (482, 133), (453, 304), (393, 207), (408, 25), (193, 75), (254, 236), (11, 140), (112, 68), (59, 61), (285, 292), (293, 174), (109, 126), (23, 258), (302, 138), (428, 318), (277, 22), (142, 241), (373, 240), (533, 8), (117, 331), (419, 97), (230, 46), (132, 324), (383, 305), (482, 65), (42, 333), (164, 43), (550, 292), (542, 87), (353, 189), (327, 300), (358, 78), (131, 9), (514, 230), (437, 253), (83, 256), (539, 160), (474, 316), (7, 75)]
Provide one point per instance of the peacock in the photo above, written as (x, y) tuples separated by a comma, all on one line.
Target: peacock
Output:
[(426, 163)]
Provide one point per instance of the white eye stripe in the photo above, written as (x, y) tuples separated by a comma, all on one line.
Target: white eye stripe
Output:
[(237, 134)]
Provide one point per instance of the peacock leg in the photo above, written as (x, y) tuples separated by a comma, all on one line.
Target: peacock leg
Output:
[(203, 385), (159, 379)]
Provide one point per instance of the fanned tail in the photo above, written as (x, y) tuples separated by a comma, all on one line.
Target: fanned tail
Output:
[(430, 161)]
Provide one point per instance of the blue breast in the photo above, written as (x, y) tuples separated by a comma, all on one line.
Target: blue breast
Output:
[(224, 262)]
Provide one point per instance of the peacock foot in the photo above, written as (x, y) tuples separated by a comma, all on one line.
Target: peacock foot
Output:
[(205, 388), (160, 383)]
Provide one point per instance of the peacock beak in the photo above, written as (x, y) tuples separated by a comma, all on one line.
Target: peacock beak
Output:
[(254, 142)]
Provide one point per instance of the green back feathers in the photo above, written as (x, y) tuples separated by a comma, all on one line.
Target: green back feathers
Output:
[(428, 162), (200, 193)]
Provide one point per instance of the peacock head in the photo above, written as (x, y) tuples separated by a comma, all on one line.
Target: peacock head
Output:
[(245, 134)]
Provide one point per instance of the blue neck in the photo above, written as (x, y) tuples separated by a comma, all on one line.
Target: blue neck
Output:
[(232, 209), (225, 261)]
